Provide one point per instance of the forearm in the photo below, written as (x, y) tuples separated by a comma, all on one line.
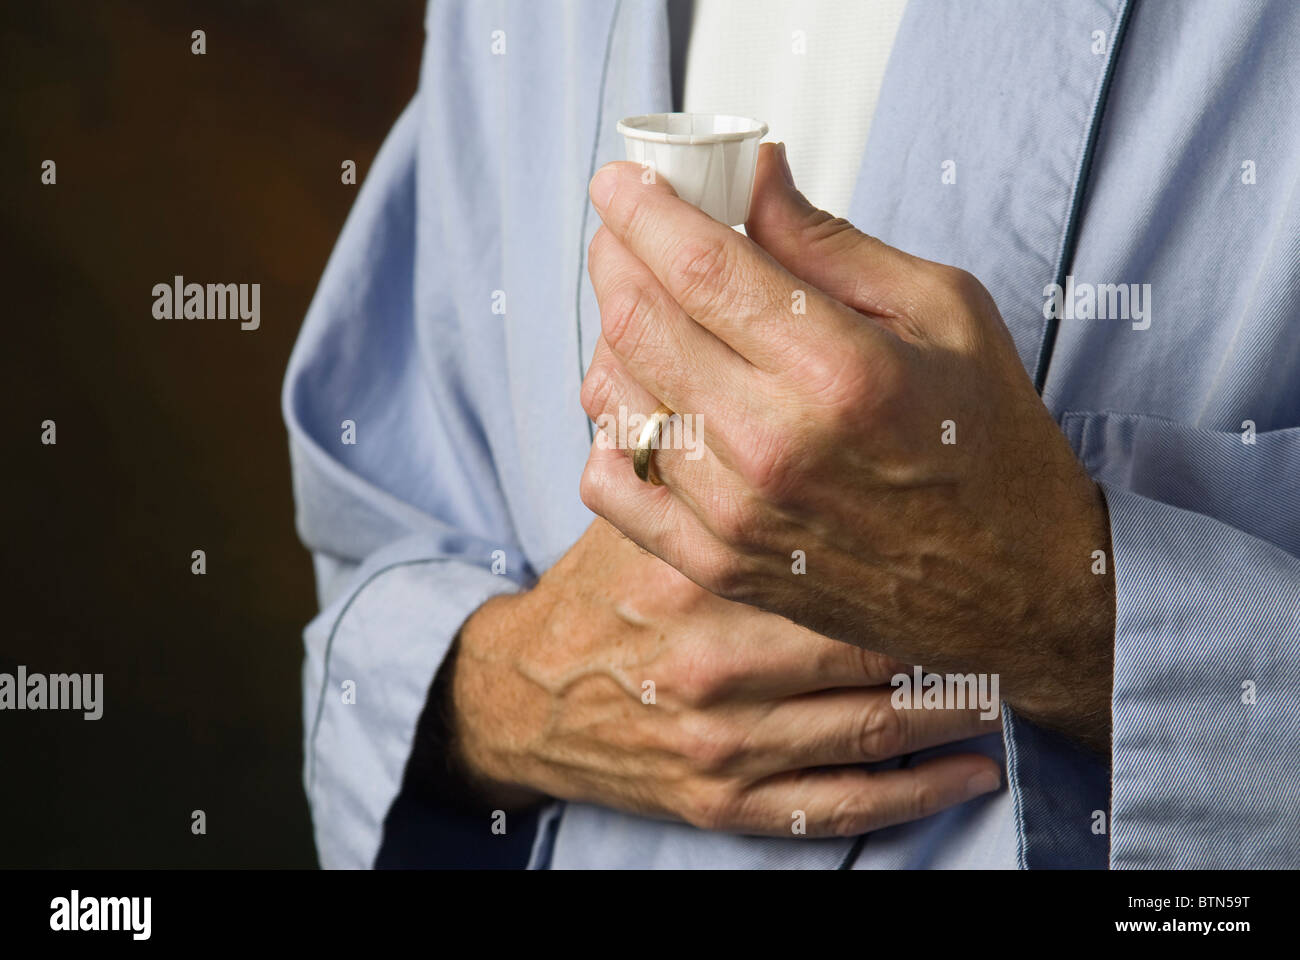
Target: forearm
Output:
[(1063, 677), (447, 764)]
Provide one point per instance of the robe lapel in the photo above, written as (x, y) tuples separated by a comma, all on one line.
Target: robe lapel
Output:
[(977, 144)]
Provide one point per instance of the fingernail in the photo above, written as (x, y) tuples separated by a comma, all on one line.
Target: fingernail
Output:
[(981, 784), (602, 187), (786, 173)]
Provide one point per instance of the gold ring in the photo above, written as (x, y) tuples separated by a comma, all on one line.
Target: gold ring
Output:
[(643, 453)]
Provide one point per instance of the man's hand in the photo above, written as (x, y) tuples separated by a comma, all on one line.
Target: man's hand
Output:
[(865, 407), (617, 681)]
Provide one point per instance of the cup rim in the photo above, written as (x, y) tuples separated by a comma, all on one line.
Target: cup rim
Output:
[(628, 128)]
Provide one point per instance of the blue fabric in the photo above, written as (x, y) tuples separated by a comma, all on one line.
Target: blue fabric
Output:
[(422, 834), (479, 197)]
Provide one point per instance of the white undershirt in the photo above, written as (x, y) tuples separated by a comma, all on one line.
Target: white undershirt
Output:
[(811, 69)]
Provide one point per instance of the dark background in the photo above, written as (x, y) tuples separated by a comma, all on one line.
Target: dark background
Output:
[(224, 168)]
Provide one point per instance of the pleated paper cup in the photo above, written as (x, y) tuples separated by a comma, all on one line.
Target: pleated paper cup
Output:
[(709, 159)]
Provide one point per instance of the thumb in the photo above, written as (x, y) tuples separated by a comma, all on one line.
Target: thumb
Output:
[(829, 252)]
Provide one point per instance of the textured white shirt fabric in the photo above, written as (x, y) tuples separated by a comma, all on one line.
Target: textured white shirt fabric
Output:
[(812, 70)]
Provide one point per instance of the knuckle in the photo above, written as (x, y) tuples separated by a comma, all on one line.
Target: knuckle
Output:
[(623, 317), (834, 236), (965, 284), (770, 464), (705, 269), (847, 817), (966, 307), (959, 289), (711, 747), (881, 731), (712, 807), (598, 388), (698, 677), (837, 658), (922, 800), (936, 273), (594, 244), (844, 387), (876, 667), (856, 384), (590, 490)]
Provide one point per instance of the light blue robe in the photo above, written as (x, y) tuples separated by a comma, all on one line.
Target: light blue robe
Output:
[(1181, 173)]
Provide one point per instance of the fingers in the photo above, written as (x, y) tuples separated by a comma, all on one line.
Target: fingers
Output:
[(722, 280), (764, 658), (650, 516), (827, 252), (680, 363), (852, 801), (854, 726), (619, 406)]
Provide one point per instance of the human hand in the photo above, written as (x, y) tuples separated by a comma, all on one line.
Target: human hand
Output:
[(829, 369), (750, 718)]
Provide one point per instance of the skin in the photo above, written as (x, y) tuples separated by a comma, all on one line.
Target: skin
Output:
[(823, 431), (753, 717)]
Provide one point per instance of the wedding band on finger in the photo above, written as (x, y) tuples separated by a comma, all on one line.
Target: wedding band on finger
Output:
[(643, 453)]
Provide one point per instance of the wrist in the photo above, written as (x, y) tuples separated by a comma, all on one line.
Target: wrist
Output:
[(486, 734), (1068, 686)]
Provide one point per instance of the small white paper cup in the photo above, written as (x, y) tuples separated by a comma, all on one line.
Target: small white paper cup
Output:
[(709, 159)]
